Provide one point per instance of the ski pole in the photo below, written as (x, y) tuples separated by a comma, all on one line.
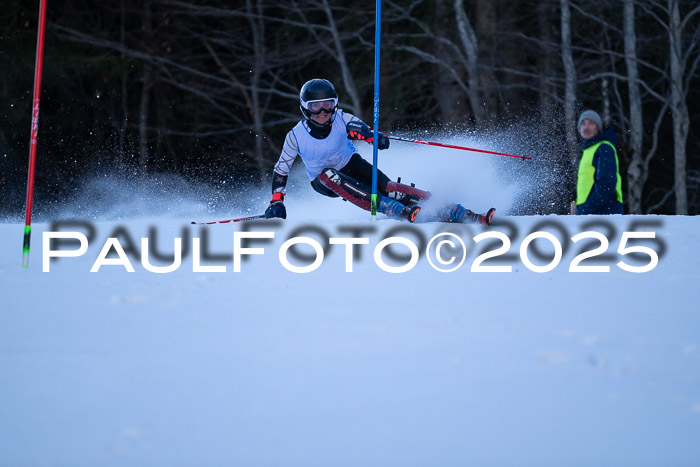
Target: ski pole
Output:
[(442, 145), (240, 219)]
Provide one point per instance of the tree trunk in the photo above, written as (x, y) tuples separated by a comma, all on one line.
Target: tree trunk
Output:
[(637, 170), (605, 97), (143, 118), (447, 92), (121, 149), (258, 28), (679, 109), (545, 88), (468, 39), (146, 83), (570, 87), (486, 33)]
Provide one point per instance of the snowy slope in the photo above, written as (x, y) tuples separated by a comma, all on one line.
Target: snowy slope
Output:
[(267, 367), (270, 367)]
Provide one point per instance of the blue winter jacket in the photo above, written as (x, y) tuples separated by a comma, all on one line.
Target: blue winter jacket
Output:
[(602, 199)]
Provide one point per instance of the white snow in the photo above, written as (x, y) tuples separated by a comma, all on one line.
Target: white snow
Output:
[(268, 367)]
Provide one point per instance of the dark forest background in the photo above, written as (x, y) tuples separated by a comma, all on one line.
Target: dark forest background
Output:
[(207, 89)]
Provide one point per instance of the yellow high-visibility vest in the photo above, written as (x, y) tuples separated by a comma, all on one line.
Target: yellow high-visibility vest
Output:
[(586, 174)]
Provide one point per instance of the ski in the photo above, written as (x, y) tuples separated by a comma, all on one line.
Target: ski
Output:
[(488, 217), (471, 217), (227, 221), (458, 214)]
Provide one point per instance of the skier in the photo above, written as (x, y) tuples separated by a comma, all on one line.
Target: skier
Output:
[(323, 140)]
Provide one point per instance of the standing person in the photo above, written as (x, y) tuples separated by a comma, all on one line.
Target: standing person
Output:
[(599, 185), (323, 141)]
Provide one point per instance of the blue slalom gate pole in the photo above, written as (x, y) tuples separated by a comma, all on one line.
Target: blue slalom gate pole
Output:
[(375, 148)]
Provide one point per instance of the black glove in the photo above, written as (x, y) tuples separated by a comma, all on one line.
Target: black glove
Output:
[(360, 131), (383, 141), (276, 208)]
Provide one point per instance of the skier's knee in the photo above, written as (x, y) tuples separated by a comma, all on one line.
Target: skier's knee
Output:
[(330, 175), (321, 188)]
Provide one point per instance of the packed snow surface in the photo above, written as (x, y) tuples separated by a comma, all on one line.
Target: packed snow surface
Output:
[(373, 367), (271, 367)]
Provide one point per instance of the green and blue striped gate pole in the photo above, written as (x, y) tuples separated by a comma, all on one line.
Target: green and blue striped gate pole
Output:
[(377, 36)]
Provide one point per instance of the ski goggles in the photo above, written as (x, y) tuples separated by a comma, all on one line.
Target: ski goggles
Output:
[(316, 107)]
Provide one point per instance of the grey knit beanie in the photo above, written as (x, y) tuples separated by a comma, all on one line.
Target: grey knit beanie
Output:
[(593, 115)]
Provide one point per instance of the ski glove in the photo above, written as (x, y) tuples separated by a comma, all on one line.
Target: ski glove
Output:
[(360, 131), (276, 208)]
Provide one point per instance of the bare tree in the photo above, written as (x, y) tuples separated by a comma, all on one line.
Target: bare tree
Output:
[(214, 84), (487, 31), (570, 83), (146, 84), (450, 107), (679, 92), (335, 48), (471, 50), (123, 128), (257, 27), (683, 34), (340, 56), (547, 47), (637, 170)]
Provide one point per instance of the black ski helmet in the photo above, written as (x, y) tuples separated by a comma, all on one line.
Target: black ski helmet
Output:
[(317, 90)]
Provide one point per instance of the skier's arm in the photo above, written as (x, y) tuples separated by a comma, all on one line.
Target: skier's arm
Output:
[(605, 181), (347, 118), (279, 182), (280, 175)]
